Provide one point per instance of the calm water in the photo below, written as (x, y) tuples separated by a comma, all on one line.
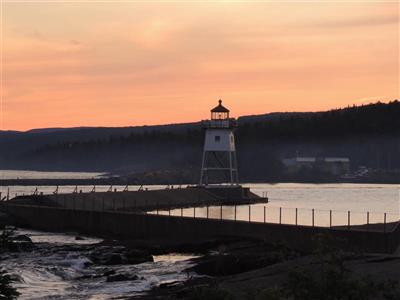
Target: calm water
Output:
[(26, 174), (284, 198)]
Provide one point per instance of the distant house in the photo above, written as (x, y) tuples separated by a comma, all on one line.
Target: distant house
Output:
[(331, 165)]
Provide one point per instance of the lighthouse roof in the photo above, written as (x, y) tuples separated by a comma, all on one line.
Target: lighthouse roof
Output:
[(220, 108)]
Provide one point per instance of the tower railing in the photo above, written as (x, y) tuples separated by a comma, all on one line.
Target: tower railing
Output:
[(224, 123)]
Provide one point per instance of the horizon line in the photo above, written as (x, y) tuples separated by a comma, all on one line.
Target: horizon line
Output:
[(193, 122)]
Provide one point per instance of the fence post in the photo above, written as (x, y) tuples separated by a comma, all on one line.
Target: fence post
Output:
[(280, 215), (313, 217), (194, 212), (330, 218), (207, 211), (384, 222), (367, 220), (296, 216), (181, 211), (348, 220), (249, 213), (235, 213), (157, 208), (264, 214), (221, 212)]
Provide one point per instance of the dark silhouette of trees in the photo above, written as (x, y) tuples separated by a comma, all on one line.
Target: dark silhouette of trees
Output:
[(369, 135)]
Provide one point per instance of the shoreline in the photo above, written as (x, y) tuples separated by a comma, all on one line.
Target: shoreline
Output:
[(235, 264), (124, 182)]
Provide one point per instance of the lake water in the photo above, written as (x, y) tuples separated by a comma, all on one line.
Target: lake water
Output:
[(26, 174), (310, 204)]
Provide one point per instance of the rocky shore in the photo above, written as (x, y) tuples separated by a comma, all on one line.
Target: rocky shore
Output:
[(221, 268), (255, 270)]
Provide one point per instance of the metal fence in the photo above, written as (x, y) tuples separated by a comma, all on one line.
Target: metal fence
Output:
[(347, 220)]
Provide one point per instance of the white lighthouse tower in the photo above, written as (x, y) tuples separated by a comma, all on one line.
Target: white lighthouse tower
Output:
[(219, 155)]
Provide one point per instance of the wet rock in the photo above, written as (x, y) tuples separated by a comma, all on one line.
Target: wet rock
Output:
[(138, 256), (22, 238), (88, 276), (107, 255), (15, 243), (119, 255), (109, 272), (106, 273), (167, 285), (5, 220), (230, 264), (121, 277), (113, 259)]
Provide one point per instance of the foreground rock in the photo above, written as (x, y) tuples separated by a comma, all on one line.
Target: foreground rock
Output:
[(242, 256), (121, 277), (118, 255)]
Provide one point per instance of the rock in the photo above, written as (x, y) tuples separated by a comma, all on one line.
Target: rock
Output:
[(135, 256), (121, 277), (109, 272), (16, 243), (170, 284), (113, 259), (119, 255), (22, 238), (79, 238), (88, 276), (230, 264), (107, 255)]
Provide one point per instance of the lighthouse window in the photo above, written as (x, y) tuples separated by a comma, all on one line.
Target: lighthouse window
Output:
[(217, 138)]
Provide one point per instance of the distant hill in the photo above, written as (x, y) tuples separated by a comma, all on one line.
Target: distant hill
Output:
[(369, 135)]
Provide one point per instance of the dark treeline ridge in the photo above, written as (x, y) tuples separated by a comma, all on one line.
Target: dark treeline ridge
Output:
[(369, 135)]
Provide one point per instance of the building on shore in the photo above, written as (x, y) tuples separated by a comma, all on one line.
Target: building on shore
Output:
[(329, 165)]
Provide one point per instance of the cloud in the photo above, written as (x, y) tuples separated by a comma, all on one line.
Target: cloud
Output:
[(363, 21), (127, 60)]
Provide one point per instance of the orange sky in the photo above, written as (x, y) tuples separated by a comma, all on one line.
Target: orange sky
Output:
[(123, 64)]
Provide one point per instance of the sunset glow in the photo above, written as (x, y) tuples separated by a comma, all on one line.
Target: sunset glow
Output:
[(125, 64)]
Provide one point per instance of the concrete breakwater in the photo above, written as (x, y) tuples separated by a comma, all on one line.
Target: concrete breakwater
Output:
[(123, 214), (145, 200), (127, 224)]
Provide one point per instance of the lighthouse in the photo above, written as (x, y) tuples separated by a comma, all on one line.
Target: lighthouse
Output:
[(219, 163)]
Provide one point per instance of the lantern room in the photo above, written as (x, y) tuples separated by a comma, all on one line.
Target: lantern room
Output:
[(220, 112)]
